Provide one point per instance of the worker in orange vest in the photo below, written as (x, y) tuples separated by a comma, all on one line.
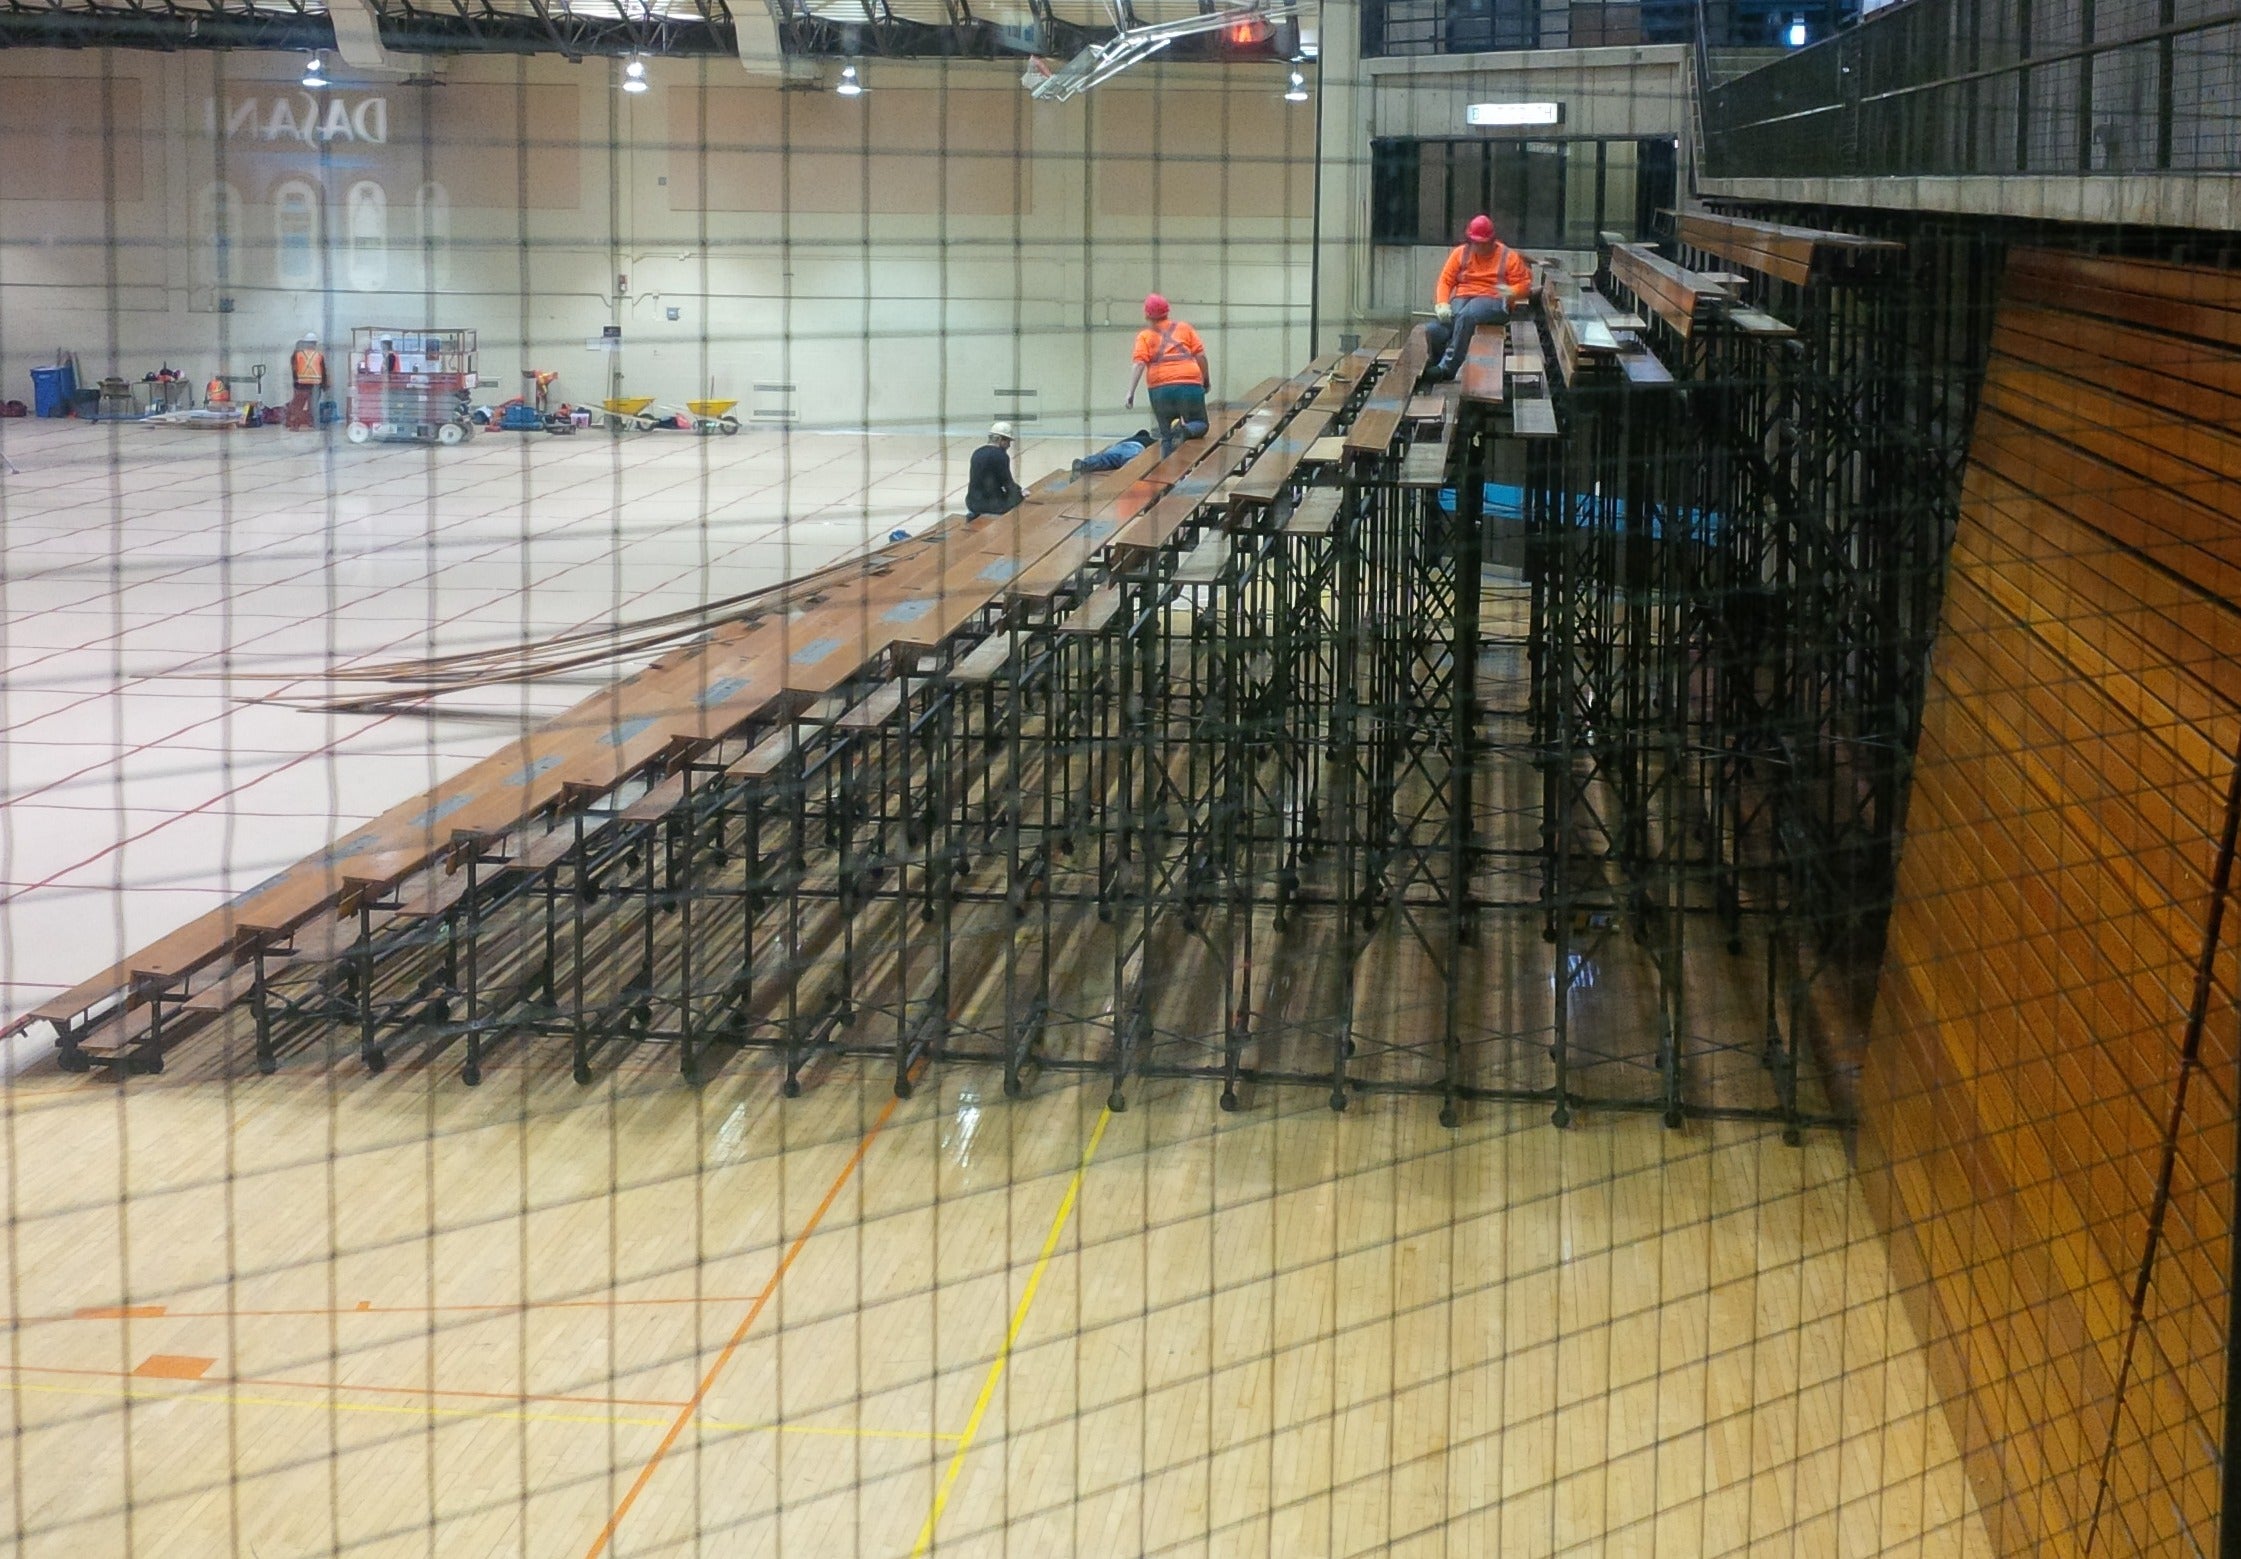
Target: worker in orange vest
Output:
[(1481, 282), (215, 393), (1171, 359), (308, 368)]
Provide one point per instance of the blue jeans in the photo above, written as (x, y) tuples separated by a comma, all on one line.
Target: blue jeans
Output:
[(1180, 411), (1448, 344), (1113, 456)]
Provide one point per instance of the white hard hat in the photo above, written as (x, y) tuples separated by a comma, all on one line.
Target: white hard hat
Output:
[(1001, 430), (310, 335)]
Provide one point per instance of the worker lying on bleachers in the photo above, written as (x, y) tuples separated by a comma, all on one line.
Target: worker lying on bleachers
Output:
[(1116, 454), (1481, 282)]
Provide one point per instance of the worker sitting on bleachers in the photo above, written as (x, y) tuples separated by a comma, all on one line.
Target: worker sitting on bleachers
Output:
[(1481, 281), (990, 488)]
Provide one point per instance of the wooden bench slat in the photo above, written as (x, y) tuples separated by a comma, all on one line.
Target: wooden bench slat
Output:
[(1316, 514), (985, 662)]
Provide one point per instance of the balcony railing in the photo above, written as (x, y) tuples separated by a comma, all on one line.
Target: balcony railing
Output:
[(1932, 87), (1404, 27)]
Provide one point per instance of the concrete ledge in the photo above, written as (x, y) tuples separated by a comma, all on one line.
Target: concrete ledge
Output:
[(2188, 200), (1507, 60)]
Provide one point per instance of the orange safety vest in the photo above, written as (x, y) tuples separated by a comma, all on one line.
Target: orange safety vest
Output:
[(310, 367), (216, 393), (1168, 353)]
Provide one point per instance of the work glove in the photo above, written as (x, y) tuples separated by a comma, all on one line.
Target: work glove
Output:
[(1447, 313)]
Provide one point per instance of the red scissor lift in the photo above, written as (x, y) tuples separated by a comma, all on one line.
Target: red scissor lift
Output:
[(411, 384)]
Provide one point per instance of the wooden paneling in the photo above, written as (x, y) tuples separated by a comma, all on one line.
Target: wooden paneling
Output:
[(2031, 1083)]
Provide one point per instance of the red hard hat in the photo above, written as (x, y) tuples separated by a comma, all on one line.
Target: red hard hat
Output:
[(1155, 307), (1481, 231)]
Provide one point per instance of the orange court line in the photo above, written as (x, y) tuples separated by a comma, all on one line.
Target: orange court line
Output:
[(235, 1313), (739, 1333), (353, 1386)]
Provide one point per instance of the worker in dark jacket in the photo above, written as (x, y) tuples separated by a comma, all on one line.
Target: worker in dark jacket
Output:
[(990, 489)]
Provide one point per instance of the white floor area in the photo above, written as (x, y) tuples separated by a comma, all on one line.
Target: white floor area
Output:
[(156, 583)]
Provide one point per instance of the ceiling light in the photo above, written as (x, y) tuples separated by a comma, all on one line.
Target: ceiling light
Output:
[(849, 85), (1797, 32), (634, 75), (312, 75), (1298, 92)]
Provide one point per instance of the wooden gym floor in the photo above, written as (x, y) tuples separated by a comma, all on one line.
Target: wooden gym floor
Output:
[(330, 1313)]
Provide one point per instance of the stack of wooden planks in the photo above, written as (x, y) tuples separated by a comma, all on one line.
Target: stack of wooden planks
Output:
[(1791, 254)]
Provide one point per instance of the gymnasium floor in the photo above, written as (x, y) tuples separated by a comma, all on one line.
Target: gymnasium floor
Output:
[(326, 1312)]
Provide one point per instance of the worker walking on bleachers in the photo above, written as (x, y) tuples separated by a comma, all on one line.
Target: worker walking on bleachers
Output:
[(1171, 360), (308, 368), (1481, 282), (990, 488)]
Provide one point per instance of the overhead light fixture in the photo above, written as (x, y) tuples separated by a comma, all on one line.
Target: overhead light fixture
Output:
[(634, 75), (1513, 115), (1298, 92), (1797, 32), (849, 85), (313, 76)]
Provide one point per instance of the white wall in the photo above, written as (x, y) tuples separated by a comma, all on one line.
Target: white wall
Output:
[(898, 258), (1623, 92)]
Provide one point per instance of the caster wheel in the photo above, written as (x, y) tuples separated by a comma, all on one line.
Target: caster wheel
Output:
[(1548, 933), (582, 1074), (73, 1060), (1735, 944), (690, 1071), (146, 1066), (1792, 1137), (791, 1088), (471, 1075), (1229, 1102), (1561, 1116), (268, 1065), (376, 1062), (439, 1012), (904, 1088), (1105, 914), (1014, 1088), (1338, 1100), (1673, 1120), (1449, 1118), (1117, 1102)]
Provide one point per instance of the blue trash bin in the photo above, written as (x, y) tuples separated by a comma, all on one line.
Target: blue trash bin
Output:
[(52, 390)]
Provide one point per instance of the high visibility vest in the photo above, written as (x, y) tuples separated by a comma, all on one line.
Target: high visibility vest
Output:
[(1170, 349), (216, 392), (1172, 361), (310, 367)]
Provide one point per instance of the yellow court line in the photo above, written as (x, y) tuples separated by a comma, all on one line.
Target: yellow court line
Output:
[(513, 1415), (1011, 1337)]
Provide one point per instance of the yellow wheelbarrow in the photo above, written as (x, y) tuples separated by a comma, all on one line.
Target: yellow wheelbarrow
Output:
[(628, 411), (712, 416)]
